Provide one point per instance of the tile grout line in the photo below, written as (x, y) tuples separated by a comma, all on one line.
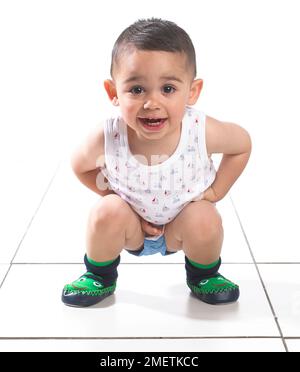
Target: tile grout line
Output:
[(123, 263), (155, 263), (30, 223), (139, 338), (260, 277)]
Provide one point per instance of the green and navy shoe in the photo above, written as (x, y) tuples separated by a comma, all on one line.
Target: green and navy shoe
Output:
[(87, 290), (215, 290)]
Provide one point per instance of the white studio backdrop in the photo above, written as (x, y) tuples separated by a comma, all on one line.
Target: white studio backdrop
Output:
[(55, 55)]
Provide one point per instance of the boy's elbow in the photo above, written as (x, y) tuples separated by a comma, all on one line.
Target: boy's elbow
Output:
[(247, 142), (74, 163)]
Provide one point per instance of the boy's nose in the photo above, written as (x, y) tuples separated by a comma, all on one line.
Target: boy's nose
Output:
[(151, 104)]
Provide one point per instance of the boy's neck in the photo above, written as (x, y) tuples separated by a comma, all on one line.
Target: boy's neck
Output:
[(165, 146)]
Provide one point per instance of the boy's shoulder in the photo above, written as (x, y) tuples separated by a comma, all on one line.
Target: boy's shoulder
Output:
[(95, 137), (225, 137), (91, 150)]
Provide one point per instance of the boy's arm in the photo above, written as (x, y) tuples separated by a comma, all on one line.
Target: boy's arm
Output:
[(234, 143), (87, 159)]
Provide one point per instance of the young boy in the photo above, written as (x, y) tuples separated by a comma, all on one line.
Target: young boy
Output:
[(155, 158)]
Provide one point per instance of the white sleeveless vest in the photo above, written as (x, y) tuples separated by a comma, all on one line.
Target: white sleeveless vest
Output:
[(159, 192)]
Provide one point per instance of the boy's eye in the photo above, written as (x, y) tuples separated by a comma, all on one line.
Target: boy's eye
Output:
[(137, 90), (168, 89)]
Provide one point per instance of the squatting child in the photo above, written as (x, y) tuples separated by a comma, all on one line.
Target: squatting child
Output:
[(152, 165)]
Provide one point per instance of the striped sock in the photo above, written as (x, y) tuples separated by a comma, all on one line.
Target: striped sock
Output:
[(200, 266), (196, 271), (96, 263), (106, 270)]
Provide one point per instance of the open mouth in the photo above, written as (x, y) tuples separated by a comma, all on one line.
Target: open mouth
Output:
[(153, 123)]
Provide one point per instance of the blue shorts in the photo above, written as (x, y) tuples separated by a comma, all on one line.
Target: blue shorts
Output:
[(152, 247)]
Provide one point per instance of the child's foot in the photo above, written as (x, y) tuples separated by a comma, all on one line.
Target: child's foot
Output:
[(215, 290), (86, 291)]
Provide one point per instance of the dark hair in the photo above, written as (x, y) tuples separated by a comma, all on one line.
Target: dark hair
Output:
[(155, 34)]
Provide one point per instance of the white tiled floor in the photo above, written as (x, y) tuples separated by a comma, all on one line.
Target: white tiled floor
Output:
[(145, 313)]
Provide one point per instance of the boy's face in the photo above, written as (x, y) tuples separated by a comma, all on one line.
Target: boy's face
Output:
[(152, 89)]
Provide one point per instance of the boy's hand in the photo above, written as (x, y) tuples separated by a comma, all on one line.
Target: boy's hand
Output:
[(210, 195), (149, 229)]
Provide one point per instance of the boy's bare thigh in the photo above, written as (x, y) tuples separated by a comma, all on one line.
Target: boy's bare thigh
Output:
[(134, 238), (173, 244), (174, 228)]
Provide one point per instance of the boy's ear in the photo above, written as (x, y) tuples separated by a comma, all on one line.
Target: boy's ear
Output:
[(111, 91), (195, 91)]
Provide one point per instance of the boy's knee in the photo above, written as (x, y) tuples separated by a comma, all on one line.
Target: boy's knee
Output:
[(211, 227), (205, 221), (109, 211)]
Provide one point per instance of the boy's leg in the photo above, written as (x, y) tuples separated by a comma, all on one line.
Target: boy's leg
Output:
[(198, 231), (112, 225)]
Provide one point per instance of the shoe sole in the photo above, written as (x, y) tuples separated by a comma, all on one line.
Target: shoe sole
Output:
[(83, 300), (219, 298)]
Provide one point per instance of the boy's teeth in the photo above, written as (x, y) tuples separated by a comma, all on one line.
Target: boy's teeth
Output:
[(152, 122)]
